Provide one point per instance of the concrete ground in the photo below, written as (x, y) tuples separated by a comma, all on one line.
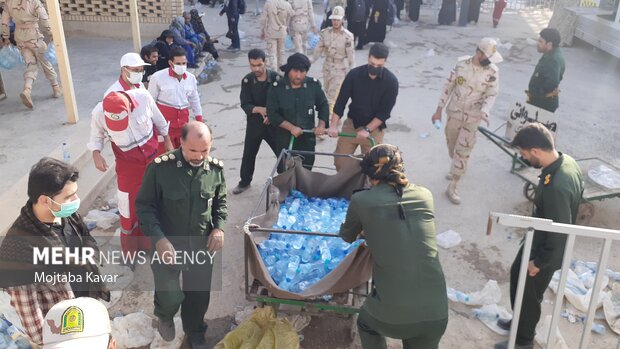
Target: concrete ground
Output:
[(586, 128)]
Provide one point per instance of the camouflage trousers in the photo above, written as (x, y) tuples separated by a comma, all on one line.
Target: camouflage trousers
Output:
[(333, 76), (461, 138), (300, 40), (275, 53), (33, 52)]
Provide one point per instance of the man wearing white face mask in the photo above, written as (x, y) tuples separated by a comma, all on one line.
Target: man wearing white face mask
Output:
[(48, 221), (132, 71), (175, 91)]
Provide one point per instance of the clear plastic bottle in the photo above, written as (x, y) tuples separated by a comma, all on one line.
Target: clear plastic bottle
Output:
[(292, 268), (457, 296), (598, 328), (326, 255), (66, 155), (437, 124), (485, 315)]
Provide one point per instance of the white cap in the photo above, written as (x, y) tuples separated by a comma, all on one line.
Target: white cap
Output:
[(488, 46), (77, 324), (132, 59), (337, 13)]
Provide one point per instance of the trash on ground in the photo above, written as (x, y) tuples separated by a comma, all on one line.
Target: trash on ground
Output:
[(605, 176), (133, 330), (102, 219), (177, 342), (448, 239), (611, 307), (542, 335), (489, 314), (490, 294), (261, 330), (575, 291), (430, 53)]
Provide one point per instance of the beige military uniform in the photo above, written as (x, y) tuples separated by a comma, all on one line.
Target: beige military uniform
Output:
[(469, 95), (273, 24), (300, 23), (337, 45), (31, 20)]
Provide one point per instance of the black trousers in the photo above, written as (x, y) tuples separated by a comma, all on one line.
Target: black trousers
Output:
[(255, 133), (233, 29), (532, 298), (306, 141)]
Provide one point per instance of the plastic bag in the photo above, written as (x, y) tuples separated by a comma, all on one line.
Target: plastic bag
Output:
[(50, 55), (448, 239), (103, 219), (10, 57), (542, 334), (611, 308), (490, 294), (498, 312), (133, 330), (313, 40), (211, 72), (261, 331), (605, 176), (288, 43), (576, 292)]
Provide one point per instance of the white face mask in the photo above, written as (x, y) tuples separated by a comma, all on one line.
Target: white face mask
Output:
[(179, 69), (135, 77)]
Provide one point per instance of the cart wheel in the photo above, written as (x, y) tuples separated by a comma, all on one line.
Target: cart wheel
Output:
[(529, 191), (585, 213)]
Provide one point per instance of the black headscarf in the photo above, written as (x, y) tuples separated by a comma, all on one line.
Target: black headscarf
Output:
[(297, 61), (196, 22)]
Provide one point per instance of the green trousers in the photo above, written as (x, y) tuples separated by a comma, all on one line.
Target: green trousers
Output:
[(192, 295), (306, 141), (419, 335)]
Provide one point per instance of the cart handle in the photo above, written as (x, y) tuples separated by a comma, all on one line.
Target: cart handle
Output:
[(340, 134)]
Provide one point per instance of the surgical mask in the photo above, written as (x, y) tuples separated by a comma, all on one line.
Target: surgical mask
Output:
[(376, 71), (66, 209), (179, 69), (485, 62), (135, 77)]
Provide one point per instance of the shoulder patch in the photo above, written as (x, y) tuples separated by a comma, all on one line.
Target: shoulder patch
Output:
[(215, 162), (245, 80), (275, 83)]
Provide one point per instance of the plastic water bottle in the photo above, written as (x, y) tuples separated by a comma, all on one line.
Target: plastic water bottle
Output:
[(297, 241), (270, 260), (292, 267), (457, 296), (66, 155), (437, 124), (308, 254), (485, 315), (598, 328), (326, 255), (294, 207)]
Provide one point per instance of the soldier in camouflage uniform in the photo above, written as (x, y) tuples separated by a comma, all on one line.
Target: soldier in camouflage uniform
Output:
[(469, 95), (30, 19), (337, 44), (273, 27), (302, 19)]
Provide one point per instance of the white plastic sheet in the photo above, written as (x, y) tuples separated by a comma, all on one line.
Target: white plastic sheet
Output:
[(133, 330), (103, 219), (448, 239)]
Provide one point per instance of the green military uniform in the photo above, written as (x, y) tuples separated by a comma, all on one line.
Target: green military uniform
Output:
[(254, 94), (297, 106), (544, 84), (557, 198), (409, 298), (184, 204)]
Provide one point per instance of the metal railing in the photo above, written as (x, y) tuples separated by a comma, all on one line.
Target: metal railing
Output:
[(571, 230)]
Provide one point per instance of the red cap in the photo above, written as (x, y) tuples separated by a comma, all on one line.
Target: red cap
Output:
[(116, 108)]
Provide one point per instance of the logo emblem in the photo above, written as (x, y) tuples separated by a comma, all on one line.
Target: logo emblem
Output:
[(72, 321)]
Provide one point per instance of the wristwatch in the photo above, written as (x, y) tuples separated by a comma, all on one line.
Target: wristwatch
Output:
[(367, 130)]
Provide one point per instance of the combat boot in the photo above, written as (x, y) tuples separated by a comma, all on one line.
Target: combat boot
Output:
[(452, 192), (57, 91), (26, 98)]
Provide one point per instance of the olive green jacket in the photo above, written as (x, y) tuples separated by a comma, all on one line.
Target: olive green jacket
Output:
[(297, 105), (546, 78), (179, 200), (409, 282)]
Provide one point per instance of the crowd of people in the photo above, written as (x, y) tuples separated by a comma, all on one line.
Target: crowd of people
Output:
[(172, 194)]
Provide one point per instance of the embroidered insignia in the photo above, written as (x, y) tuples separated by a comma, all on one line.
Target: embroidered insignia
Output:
[(171, 156), (547, 179), (275, 83), (245, 81), (179, 163), (157, 160), (72, 321), (165, 157), (460, 80)]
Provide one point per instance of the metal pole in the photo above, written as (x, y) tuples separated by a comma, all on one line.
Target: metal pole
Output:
[(64, 68), (596, 291), (516, 311), (135, 25), (559, 297)]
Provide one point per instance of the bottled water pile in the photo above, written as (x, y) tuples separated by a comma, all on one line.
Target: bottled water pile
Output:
[(11, 337), (298, 212), (296, 262)]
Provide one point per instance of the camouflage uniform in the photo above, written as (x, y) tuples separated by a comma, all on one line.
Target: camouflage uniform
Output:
[(30, 19), (469, 94), (273, 23), (303, 17), (339, 59)]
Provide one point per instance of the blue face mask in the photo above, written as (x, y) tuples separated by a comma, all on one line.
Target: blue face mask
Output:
[(66, 209)]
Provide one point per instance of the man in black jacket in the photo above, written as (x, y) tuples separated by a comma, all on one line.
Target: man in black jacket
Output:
[(232, 10)]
